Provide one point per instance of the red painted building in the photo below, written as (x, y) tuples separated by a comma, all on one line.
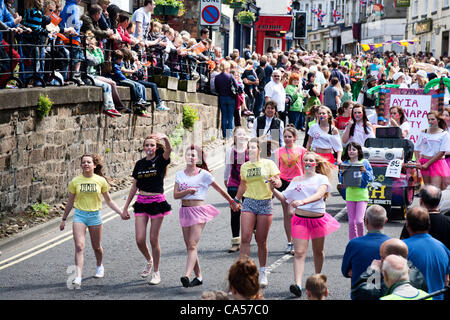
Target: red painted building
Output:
[(271, 32)]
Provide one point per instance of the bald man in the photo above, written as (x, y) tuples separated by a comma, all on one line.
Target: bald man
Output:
[(430, 198), (371, 285), (396, 277)]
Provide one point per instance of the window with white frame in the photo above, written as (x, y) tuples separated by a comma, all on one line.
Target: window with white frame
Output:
[(425, 7), (435, 5), (415, 12), (445, 4)]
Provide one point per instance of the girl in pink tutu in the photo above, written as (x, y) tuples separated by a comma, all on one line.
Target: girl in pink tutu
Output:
[(430, 149), (446, 117), (306, 196), (151, 204), (191, 186)]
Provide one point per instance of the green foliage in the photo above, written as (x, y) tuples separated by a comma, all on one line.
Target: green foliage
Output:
[(245, 16), (40, 209), (177, 136), (108, 150), (174, 3), (44, 106), (190, 116)]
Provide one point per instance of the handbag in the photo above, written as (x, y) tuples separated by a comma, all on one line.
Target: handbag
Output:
[(233, 89)]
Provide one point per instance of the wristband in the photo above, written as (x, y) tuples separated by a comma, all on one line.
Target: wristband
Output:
[(64, 219), (237, 201)]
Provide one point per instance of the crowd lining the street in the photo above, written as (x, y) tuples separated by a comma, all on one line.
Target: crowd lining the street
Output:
[(265, 101)]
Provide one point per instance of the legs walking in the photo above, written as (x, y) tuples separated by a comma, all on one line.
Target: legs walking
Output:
[(79, 236), (191, 238)]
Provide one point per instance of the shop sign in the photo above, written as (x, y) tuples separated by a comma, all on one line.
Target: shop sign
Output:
[(424, 26)]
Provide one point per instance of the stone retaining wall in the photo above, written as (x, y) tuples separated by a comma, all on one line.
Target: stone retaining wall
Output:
[(38, 158)]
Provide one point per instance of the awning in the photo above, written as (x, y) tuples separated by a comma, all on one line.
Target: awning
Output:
[(274, 23)]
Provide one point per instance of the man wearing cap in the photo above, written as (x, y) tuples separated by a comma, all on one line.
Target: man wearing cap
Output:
[(399, 78), (421, 80)]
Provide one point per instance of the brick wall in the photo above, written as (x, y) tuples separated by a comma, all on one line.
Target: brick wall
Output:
[(38, 158)]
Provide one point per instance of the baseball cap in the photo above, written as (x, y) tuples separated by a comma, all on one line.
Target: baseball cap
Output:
[(397, 75), (422, 73)]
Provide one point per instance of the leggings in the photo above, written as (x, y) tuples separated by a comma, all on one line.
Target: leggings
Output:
[(235, 216), (356, 211)]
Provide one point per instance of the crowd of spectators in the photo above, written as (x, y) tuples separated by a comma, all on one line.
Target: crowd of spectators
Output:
[(55, 45)]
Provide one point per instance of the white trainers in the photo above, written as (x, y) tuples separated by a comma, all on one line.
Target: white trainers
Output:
[(99, 272), (156, 279), (77, 283), (148, 270), (263, 281), (289, 247)]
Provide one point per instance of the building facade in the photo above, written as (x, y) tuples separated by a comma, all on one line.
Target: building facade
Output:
[(429, 21)]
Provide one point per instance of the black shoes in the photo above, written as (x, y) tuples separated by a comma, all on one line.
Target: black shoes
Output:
[(195, 282), (295, 289)]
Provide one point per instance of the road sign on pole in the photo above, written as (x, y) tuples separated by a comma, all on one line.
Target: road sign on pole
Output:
[(210, 12)]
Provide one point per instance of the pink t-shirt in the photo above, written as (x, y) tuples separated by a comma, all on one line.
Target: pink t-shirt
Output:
[(290, 162)]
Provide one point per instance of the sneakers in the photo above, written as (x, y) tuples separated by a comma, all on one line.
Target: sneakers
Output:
[(143, 113), (142, 102), (112, 112), (289, 248), (263, 281), (195, 282), (77, 283), (162, 107), (296, 290), (148, 270), (185, 281), (99, 272), (156, 279), (124, 109)]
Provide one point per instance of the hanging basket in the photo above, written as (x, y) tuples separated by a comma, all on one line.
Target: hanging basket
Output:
[(226, 2), (171, 10), (159, 10), (245, 20)]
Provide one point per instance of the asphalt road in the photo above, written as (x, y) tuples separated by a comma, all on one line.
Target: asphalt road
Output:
[(37, 269)]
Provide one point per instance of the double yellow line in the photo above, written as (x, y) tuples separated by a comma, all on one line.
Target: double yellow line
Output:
[(27, 254)]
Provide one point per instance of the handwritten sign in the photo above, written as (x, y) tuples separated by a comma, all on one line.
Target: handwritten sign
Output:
[(394, 168)]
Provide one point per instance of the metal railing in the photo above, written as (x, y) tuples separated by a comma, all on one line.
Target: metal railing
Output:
[(39, 63)]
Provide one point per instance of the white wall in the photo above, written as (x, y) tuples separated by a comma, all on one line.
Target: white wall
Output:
[(272, 7)]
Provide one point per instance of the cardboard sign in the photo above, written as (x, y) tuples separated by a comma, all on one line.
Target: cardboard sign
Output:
[(416, 105), (394, 168)]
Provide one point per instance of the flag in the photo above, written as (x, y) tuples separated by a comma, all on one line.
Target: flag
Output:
[(378, 7), (199, 47), (336, 16), (363, 3), (55, 19), (289, 7), (320, 16)]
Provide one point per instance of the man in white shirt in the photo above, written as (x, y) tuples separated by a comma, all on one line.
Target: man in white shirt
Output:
[(142, 18), (275, 91)]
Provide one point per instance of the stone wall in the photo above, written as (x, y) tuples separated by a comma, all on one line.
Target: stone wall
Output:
[(38, 158)]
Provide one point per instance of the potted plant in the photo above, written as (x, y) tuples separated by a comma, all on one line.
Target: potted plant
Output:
[(246, 17), (237, 4)]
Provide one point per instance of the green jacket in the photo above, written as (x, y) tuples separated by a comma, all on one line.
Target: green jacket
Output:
[(297, 98)]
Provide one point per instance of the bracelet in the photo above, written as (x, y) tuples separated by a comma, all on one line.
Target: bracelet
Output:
[(237, 201), (64, 219)]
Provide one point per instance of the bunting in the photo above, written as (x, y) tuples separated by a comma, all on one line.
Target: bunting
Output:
[(371, 47), (319, 14)]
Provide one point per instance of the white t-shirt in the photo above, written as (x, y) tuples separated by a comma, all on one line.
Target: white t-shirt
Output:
[(360, 136), (300, 189), (323, 140), (277, 93), (200, 182), (144, 17), (430, 144)]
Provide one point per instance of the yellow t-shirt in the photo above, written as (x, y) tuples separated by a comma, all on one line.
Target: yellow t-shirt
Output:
[(88, 192), (255, 174)]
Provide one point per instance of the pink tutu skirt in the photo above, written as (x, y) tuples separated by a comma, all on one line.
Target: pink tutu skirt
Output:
[(329, 157), (310, 228), (190, 216), (439, 168)]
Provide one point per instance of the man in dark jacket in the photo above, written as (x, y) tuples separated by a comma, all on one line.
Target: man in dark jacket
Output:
[(90, 22)]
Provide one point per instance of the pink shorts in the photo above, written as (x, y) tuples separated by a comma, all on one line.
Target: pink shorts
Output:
[(190, 216), (439, 168), (311, 228)]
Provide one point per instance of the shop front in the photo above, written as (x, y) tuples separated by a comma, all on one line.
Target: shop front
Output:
[(271, 32)]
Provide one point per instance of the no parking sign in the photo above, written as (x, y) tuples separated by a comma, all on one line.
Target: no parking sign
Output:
[(210, 12)]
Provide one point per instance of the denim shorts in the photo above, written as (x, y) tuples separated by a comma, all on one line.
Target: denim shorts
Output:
[(257, 206), (88, 218), (77, 55)]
